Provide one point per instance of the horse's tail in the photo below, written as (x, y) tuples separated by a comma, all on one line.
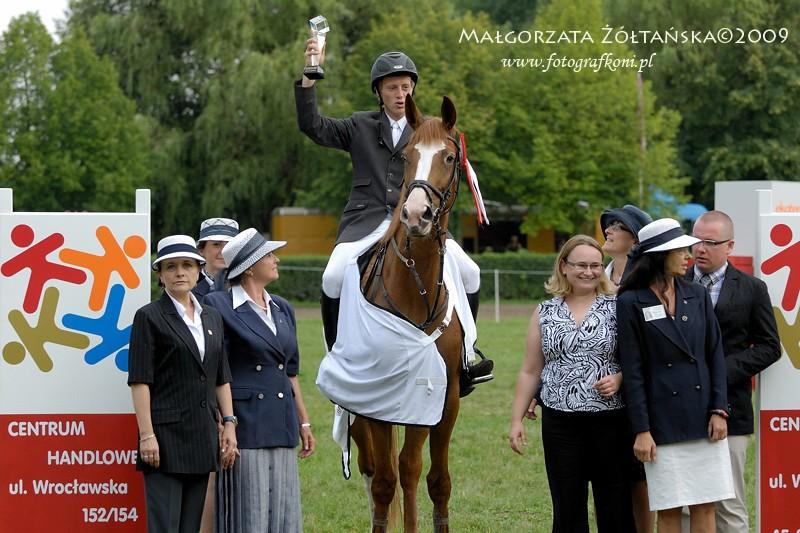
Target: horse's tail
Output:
[(395, 516)]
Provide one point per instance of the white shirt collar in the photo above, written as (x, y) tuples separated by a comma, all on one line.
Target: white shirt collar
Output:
[(241, 297), (182, 310), (401, 123)]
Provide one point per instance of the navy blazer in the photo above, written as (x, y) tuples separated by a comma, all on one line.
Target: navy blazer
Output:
[(183, 402), (261, 363), (749, 340), (673, 370), (378, 167)]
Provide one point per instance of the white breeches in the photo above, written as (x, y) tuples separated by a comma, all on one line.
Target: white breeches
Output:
[(344, 252)]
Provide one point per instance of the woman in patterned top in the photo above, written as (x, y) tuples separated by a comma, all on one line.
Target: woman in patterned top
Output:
[(571, 352)]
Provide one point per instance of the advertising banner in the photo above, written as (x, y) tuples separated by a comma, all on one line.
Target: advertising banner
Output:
[(70, 284), (779, 385)]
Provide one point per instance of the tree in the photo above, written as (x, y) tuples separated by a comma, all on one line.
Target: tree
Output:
[(516, 14), (215, 81), (566, 139), (71, 138), (740, 102)]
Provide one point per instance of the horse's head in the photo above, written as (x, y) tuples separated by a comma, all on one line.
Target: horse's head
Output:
[(431, 176)]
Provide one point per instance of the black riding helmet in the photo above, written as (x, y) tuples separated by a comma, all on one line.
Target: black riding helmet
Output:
[(392, 64)]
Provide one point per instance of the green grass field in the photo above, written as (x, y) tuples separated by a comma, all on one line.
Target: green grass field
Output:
[(493, 488)]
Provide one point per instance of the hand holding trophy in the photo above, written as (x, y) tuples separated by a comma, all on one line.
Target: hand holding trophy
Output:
[(319, 28)]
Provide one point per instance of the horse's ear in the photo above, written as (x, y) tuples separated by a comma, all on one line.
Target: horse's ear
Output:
[(413, 115), (448, 113)]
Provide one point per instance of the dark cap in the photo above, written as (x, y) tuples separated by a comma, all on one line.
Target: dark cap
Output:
[(392, 64), (631, 217)]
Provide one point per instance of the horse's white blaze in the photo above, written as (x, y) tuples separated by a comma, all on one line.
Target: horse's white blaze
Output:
[(417, 201), (426, 154)]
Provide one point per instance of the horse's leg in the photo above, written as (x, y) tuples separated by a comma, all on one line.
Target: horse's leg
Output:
[(410, 470), (385, 479), (439, 474), (360, 433)]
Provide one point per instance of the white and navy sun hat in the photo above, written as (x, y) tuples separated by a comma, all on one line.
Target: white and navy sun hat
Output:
[(177, 246), (246, 249), (218, 229), (663, 235)]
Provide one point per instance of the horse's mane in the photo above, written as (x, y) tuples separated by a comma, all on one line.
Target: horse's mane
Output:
[(430, 131)]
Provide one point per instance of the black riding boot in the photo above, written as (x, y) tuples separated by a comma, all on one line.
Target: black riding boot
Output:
[(480, 371), (330, 318)]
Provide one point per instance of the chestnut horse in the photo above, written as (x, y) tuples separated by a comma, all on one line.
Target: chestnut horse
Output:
[(404, 275)]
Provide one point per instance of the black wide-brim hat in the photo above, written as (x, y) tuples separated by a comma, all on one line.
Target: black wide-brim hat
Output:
[(631, 217)]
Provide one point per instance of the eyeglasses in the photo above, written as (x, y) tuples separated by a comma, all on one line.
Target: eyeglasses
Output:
[(709, 243), (594, 267), (618, 226)]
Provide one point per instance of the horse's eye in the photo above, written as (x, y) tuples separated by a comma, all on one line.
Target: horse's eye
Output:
[(403, 158), (450, 159)]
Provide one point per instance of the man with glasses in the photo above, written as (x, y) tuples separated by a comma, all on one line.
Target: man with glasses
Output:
[(750, 342)]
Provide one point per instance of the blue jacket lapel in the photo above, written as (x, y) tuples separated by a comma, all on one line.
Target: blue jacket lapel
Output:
[(667, 326), (282, 327), (257, 326)]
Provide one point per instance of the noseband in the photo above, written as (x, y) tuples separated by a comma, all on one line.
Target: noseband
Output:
[(431, 191)]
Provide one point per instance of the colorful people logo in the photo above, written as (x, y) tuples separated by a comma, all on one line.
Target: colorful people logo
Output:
[(781, 235), (34, 258)]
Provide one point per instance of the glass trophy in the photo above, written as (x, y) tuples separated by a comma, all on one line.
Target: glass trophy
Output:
[(319, 27)]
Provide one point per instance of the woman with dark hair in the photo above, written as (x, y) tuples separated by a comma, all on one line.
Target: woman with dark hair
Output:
[(179, 377), (620, 228), (675, 381), (571, 351), (261, 494)]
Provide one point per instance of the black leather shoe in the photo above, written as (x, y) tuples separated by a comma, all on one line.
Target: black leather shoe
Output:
[(476, 373)]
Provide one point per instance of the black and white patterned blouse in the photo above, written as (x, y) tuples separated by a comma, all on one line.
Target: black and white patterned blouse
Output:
[(576, 358)]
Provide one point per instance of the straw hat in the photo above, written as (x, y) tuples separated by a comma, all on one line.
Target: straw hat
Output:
[(247, 248)]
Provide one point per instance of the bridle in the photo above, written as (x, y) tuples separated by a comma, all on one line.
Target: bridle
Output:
[(446, 201)]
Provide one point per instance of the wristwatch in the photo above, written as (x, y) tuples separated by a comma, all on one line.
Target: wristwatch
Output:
[(232, 419)]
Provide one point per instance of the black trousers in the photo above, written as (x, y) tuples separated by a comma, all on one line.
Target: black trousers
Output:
[(174, 501), (583, 448)]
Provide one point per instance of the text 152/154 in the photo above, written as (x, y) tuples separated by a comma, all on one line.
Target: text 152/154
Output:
[(110, 514)]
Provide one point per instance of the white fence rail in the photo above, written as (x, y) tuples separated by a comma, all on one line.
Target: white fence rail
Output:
[(495, 275)]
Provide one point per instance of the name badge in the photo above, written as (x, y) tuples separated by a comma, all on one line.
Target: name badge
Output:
[(654, 313)]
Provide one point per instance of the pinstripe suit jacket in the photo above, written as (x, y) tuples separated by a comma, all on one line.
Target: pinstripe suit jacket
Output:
[(183, 403)]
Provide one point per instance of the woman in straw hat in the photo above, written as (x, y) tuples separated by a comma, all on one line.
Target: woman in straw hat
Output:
[(179, 375), (262, 492), (675, 380)]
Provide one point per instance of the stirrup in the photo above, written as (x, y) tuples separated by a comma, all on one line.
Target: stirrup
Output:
[(475, 374)]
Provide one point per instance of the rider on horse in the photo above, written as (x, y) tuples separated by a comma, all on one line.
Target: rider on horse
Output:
[(375, 141)]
